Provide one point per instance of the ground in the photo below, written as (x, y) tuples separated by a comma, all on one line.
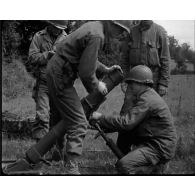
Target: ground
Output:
[(97, 157)]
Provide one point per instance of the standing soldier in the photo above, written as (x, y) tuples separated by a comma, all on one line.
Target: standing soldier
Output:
[(75, 56), (148, 45), (42, 48), (148, 125)]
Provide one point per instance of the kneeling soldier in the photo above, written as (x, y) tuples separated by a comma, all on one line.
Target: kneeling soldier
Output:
[(148, 125)]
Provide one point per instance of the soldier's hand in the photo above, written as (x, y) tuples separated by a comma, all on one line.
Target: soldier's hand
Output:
[(93, 119), (50, 54), (114, 67), (162, 90), (124, 87), (96, 116), (102, 88)]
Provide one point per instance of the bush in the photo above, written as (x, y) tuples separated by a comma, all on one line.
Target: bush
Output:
[(15, 79)]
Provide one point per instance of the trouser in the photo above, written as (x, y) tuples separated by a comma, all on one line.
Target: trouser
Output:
[(142, 160), (65, 105), (41, 125)]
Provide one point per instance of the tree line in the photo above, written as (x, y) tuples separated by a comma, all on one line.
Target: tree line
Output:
[(181, 53)]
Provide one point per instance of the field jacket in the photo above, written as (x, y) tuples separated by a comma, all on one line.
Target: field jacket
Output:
[(81, 49), (39, 48), (147, 46), (149, 120)]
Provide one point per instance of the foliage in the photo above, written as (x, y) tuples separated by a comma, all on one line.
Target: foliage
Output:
[(20, 34), (181, 54), (15, 80)]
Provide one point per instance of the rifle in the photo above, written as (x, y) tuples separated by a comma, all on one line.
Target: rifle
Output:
[(109, 142)]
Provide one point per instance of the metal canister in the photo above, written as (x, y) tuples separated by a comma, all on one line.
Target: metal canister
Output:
[(92, 102)]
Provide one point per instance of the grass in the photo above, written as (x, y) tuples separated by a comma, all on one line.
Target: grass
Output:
[(15, 80), (96, 158), (16, 98), (99, 160)]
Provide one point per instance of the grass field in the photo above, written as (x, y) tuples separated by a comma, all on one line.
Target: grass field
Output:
[(97, 158)]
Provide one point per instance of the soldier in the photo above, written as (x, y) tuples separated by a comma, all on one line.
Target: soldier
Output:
[(147, 124), (41, 49), (75, 56), (147, 44)]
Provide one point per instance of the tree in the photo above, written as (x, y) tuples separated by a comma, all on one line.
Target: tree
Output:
[(180, 53), (17, 35), (173, 44)]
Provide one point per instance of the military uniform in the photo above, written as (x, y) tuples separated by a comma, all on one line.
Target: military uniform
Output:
[(38, 59), (75, 56), (149, 130), (146, 45)]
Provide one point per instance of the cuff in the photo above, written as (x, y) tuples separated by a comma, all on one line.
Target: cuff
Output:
[(164, 83)]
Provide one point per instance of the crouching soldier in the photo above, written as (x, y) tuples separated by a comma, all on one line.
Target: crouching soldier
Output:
[(148, 127)]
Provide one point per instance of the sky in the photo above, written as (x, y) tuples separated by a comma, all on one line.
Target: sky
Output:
[(182, 30)]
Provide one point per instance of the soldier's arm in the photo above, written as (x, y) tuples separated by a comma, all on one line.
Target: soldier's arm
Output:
[(101, 67), (35, 54), (127, 122), (88, 64), (164, 56)]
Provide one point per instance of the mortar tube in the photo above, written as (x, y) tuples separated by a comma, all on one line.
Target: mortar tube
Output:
[(92, 102), (36, 152)]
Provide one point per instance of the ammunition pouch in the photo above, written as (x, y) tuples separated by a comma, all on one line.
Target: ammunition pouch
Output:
[(69, 70)]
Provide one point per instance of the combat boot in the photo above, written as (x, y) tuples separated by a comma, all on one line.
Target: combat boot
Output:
[(71, 165)]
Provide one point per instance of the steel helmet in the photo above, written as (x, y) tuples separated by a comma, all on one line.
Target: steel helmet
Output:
[(125, 24), (140, 74), (60, 24)]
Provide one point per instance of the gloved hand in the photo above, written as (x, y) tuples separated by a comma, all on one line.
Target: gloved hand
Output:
[(114, 67), (162, 90), (102, 88), (96, 116)]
